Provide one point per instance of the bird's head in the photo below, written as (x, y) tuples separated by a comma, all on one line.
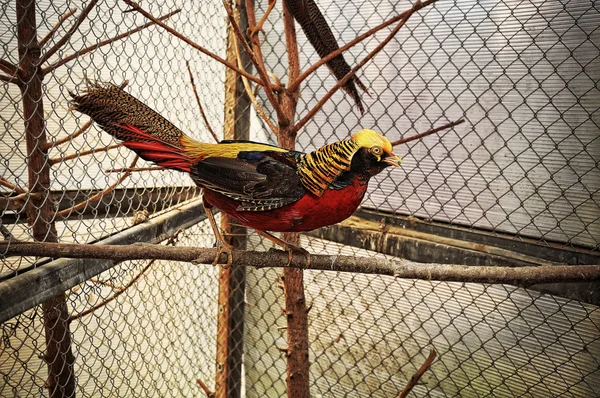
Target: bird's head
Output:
[(375, 153)]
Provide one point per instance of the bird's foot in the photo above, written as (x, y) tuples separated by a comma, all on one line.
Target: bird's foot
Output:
[(251, 32), (293, 248), (224, 248)]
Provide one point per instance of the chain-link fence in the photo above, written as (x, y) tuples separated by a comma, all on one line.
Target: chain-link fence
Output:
[(521, 175)]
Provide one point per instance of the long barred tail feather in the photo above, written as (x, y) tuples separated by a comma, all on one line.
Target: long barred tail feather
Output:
[(319, 34), (142, 129)]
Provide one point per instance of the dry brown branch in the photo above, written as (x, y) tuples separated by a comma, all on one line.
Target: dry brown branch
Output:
[(251, 94), (8, 67), (258, 63), (71, 137), (104, 283), (70, 33), (428, 132), (204, 387), (66, 212), (520, 276), (134, 169), (136, 7), (10, 79), (416, 7), (345, 47), (57, 25), (77, 155), (94, 47), (121, 289), (114, 296), (16, 203), (415, 378), (5, 183), (212, 132)]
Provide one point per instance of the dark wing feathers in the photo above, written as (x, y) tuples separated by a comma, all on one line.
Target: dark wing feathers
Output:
[(255, 179)]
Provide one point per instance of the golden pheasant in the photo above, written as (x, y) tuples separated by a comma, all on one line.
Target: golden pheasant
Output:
[(261, 186), (320, 36)]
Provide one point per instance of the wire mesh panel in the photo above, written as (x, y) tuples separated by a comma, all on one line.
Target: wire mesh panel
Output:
[(142, 328)]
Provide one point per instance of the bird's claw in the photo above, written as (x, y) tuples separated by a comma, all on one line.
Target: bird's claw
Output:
[(251, 32), (224, 248), (293, 248)]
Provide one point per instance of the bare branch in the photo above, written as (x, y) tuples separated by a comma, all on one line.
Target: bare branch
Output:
[(428, 132), (54, 161), (70, 33), (135, 7), (66, 212), (347, 46), (521, 276), (94, 47), (10, 79), (257, 62), (415, 378), (8, 67), (5, 183), (114, 296), (134, 169), (259, 109), (71, 137), (204, 387), (416, 7), (212, 132), (57, 25)]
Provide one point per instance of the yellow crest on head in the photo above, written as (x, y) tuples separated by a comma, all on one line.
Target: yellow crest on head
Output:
[(369, 138)]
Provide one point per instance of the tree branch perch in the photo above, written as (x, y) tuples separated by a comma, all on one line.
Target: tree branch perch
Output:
[(520, 276)]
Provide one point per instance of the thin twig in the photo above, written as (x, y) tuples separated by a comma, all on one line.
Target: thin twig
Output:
[(400, 268), (114, 296), (94, 47), (415, 378), (417, 6), (71, 137), (136, 7), (134, 169), (121, 289), (107, 284), (212, 132), (66, 212), (5, 183), (259, 109), (428, 132), (204, 387), (258, 64), (70, 33), (54, 161), (8, 67), (10, 79), (57, 25), (345, 47)]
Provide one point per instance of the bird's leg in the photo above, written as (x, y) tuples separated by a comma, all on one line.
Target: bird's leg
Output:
[(222, 246), (286, 246), (259, 25)]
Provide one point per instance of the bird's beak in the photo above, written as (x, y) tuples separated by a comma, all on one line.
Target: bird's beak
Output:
[(392, 160)]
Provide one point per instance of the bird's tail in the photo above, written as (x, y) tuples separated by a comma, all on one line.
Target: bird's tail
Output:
[(141, 129), (319, 34)]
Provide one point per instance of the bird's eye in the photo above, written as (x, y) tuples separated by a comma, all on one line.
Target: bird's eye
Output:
[(376, 150)]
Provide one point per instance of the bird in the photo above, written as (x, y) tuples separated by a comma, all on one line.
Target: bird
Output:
[(262, 186), (319, 34)]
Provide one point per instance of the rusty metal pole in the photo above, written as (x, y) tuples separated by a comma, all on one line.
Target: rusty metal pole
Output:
[(232, 281), (59, 355)]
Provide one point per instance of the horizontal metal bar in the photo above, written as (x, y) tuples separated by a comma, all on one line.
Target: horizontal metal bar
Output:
[(113, 203), (26, 290)]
